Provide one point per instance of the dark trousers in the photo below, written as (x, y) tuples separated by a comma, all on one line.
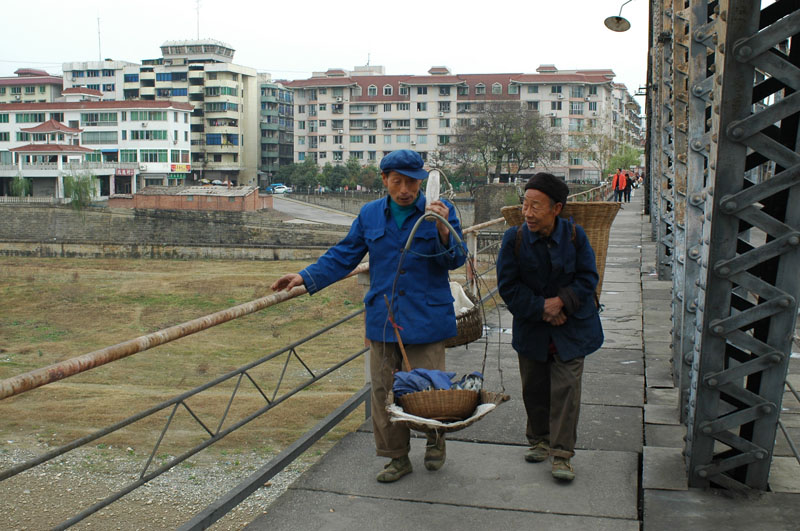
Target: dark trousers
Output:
[(627, 194), (392, 439), (551, 391), (618, 195)]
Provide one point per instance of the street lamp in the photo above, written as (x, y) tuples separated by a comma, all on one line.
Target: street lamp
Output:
[(618, 23)]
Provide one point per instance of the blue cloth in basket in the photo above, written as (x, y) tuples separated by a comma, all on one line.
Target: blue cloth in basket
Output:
[(421, 380)]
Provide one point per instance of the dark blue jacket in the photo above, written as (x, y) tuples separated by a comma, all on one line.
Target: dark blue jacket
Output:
[(422, 303), (549, 267)]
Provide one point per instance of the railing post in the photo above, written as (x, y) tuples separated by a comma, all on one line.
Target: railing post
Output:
[(472, 249), (363, 281)]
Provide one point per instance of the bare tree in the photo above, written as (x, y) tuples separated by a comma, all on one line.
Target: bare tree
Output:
[(503, 133), (596, 146)]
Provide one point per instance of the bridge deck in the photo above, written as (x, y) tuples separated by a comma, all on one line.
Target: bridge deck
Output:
[(630, 471)]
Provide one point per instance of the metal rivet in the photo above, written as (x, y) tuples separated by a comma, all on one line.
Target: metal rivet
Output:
[(707, 429), (737, 132), (744, 52), (724, 271), (794, 240), (699, 36), (713, 382), (784, 303), (776, 358), (717, 329), (702, 474), (765, 409), (730, 206), (760, 455), (697, 145)]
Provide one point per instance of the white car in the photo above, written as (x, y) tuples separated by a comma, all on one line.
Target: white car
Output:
[(280, 189)]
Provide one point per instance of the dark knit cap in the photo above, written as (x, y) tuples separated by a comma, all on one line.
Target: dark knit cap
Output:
[(551, 185)]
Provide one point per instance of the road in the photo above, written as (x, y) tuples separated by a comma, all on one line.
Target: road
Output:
[(306, 213)]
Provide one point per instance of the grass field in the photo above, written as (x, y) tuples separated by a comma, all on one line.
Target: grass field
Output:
[(55, 309)]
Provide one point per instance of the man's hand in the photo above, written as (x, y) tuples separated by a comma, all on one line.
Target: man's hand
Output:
[(287, 282), (440, 208), (553, 311)]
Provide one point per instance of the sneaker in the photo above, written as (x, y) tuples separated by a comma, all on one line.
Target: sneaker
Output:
[(562, 469), (538, 452), (435, 453), (395, 469)]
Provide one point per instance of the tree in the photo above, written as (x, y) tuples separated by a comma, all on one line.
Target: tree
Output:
[(596, 146), (20, 186), (370, 177), (334, 176), (80, 189), (306, 174), (353, 168), (625, 157), (503, 133), (284, 174)]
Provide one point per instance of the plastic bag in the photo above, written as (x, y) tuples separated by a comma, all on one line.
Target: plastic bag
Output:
[(432, 188)]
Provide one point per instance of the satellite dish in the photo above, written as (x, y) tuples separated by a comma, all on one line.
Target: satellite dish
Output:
[(615, 23)]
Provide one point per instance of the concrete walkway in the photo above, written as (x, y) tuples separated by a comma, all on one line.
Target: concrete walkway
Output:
[(630, 472)]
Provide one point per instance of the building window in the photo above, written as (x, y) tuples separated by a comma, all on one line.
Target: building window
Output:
[(301, 156), (337, 139), (575, 159), (592, 90), (555, 89), (444, 122), (387, 107), (387, 139), (463, 91), (444, 91), (533, 89), (422, 90), (513, 89), (422, 106), (403, 139), (592, 105), (576, 91), (387, 124), (533, 105), (444, 106), (422, 123), (403, 106), (357, 138), (555, 122), (576, 124), (358, 155), (555, 156), (422, 139), (301, 109), (387, 90), (555, 105), (371, 155), (372, 139), (576, 107), (480, 88), (372, 90), (444, 139)]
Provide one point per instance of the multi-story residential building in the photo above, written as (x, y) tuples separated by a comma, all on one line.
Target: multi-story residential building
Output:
[(125, 144), (277, 127), (225, 127), (105, 76), (627, 117), (30, 86), (365, 114)]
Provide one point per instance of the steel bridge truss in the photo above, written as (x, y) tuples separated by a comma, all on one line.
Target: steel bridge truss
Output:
[(724, 94)]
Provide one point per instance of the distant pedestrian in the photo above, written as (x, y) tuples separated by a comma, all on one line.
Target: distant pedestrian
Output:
[(618, 184), (626, 191)]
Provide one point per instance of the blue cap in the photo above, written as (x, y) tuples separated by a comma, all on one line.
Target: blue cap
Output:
[(404, 161)]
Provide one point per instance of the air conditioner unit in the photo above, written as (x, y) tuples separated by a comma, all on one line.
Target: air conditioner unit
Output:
[(144, 124), (142, 167), (413, 142), (588, 98), (341, 131), (17, 96), (441, 114), (175, 141), (561, 96), (341, 146), (339, 99), (594, 113)]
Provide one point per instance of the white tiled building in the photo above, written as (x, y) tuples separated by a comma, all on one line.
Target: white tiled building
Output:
[(365, 114), (225, 124), (30, 86), (125, 144)]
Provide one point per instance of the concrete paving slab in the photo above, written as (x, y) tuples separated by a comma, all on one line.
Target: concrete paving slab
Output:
[(325, 511), (610, 428), (627, 338), (621, 321), (665, 435), (784, 475), (615, 361), (613, 389), (659, 375), (654, 414), (662, 396), (484, 475), (669, 510), (663, 468)]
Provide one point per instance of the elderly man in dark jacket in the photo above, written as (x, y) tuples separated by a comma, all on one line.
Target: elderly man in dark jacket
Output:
[(547, 276)]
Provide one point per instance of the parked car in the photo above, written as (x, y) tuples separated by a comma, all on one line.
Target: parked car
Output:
[(279, 189)]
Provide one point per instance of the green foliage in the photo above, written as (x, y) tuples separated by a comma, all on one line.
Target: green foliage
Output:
[(20, 186), (306, 174), (333, 176), (81, 189), (624, 158)]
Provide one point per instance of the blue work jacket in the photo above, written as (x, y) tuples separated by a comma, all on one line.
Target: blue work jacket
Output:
[(548, 267), (422, 303)]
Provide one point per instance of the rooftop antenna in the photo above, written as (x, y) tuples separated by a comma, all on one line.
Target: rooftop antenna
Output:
[(198, 20), (99, 47), (367, 58)]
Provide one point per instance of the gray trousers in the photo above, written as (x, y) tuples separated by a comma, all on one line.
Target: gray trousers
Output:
[(392, 439), (551, 391)]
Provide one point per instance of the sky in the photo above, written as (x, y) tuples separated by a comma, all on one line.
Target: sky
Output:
[(292, 39)]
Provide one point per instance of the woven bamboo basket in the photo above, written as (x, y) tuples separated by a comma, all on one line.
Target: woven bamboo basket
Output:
[(470, 324), (442, 404), (594, 216)]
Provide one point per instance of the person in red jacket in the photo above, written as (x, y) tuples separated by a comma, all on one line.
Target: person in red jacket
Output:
[(619, 183)]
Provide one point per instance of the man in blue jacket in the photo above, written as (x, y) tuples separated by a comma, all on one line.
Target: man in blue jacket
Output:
[(418, 289), (547, 275)]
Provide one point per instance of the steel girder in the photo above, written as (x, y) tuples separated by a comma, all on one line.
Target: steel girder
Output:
[(748, 285)]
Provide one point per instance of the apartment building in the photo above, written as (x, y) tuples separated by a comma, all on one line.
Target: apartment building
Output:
[(364, 114), (30, 86), (126, 145), (277, 127), (225, 124)]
